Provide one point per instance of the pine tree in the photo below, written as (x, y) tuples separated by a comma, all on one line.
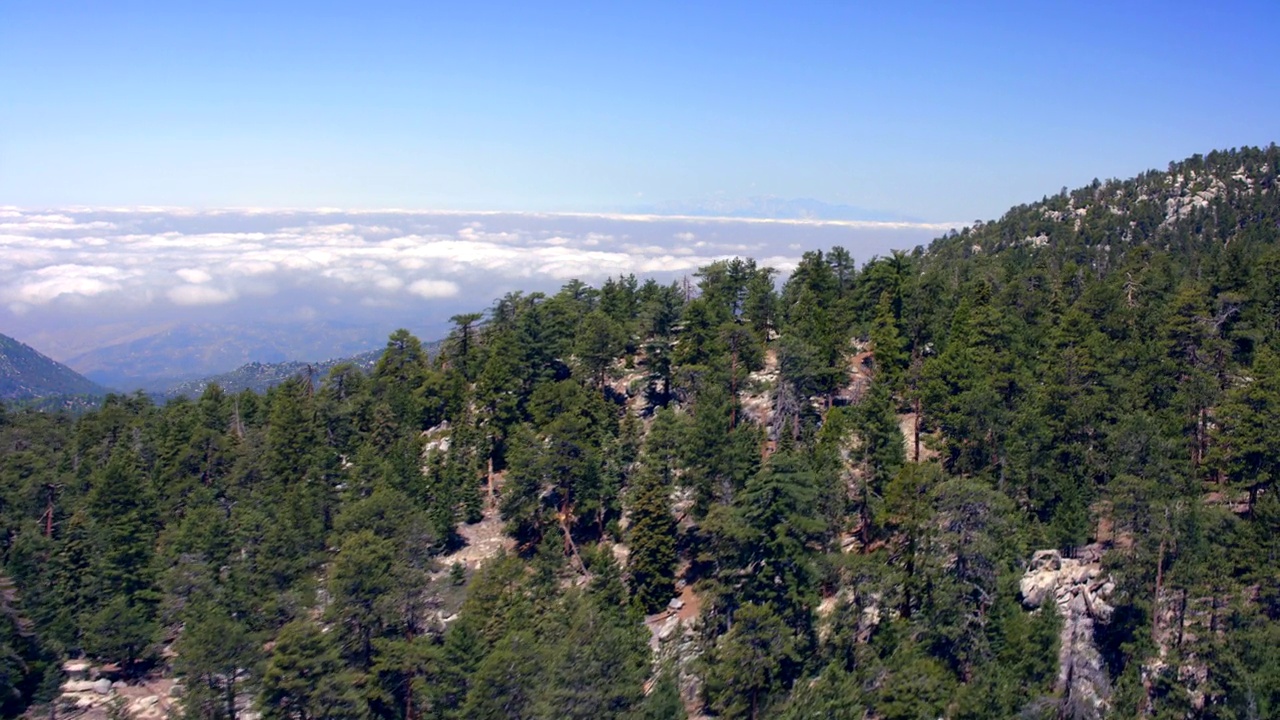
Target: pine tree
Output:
[(652, 561), (123, 530), (212, 651), (887, 345), (750, 664), (361, 584), (305, 679), (1247, 423), (599, 341)]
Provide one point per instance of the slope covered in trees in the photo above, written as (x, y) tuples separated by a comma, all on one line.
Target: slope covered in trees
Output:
[(25, 374), (1095, 373)]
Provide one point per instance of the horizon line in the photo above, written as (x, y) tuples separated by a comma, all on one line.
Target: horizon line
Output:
[(189, 211)]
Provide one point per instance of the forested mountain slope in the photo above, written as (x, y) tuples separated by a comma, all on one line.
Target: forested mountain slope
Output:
[(25, 374), (260, 377), (1094, 375)]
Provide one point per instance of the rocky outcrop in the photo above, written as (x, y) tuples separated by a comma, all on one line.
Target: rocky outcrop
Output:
[(1078, 589), (676, 643), (88, 695)]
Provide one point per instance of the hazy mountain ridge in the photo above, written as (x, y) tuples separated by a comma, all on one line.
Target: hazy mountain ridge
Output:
[(186, 353), (27, 374), (262, 376)]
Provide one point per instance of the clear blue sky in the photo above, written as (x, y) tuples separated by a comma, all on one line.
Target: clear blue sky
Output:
[(938, 111)]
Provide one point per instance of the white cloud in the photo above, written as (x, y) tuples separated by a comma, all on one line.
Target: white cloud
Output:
[(49, 283), (199, 295), (172, 259), (431, 289), (194, 276)]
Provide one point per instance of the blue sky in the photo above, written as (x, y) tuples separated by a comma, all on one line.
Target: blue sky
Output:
[(940, 112)]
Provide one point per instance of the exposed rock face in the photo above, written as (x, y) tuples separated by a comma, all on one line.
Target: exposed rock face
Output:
[(151, 699), (1079, 589), (675, 641)]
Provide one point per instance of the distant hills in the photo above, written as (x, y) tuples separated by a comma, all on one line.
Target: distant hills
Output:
[(260, 376), (28, 375), (187, 353), (30, 378)]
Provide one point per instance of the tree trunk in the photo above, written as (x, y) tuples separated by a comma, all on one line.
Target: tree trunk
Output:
[(1155, 603), (1182, 618), (916, 429), (492, 495), (231, 695), (733, 389), (569, 547)]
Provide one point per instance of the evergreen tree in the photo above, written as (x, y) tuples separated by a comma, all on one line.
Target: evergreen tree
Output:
[(304, 678), (749, 665), (213, 650), (887, 345), (1246, 423), (652, 561)]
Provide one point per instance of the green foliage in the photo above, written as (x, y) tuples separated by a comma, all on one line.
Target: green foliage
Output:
[(663, 702), (750, 665), (119, 632), (212, 651), (652, 561), (304, 678), (1096, 367)]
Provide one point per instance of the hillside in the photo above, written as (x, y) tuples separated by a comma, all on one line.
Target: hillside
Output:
[(1028, 471), (168, 355), (259, 376), (25, 374), (262, 376)]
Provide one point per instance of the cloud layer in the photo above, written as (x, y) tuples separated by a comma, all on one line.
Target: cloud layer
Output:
[(114, 263)]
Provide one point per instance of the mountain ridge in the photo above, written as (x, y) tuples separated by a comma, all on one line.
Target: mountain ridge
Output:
[(28, 374)]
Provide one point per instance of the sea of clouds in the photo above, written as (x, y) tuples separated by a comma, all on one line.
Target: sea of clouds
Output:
[(74, 277)]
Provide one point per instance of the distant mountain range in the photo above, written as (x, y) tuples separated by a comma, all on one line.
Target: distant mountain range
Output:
[(180, 354), (261, 376), (28, 375), (30, 378), (770, 207)]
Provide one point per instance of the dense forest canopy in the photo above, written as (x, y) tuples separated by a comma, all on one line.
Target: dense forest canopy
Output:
[(843, 476)]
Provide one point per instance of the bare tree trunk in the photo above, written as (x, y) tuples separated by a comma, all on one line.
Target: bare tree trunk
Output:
[(1155, 603), (916, 429), (492, 494), (569, 547), (733, 389), (1182, 619), (231, 695)]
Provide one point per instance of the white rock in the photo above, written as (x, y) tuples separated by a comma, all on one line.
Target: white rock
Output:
[(1036, 586), (77, 686), (1046, 559), (668, 628)]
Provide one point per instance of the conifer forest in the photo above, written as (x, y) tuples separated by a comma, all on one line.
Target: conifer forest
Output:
[(1028, 471)]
